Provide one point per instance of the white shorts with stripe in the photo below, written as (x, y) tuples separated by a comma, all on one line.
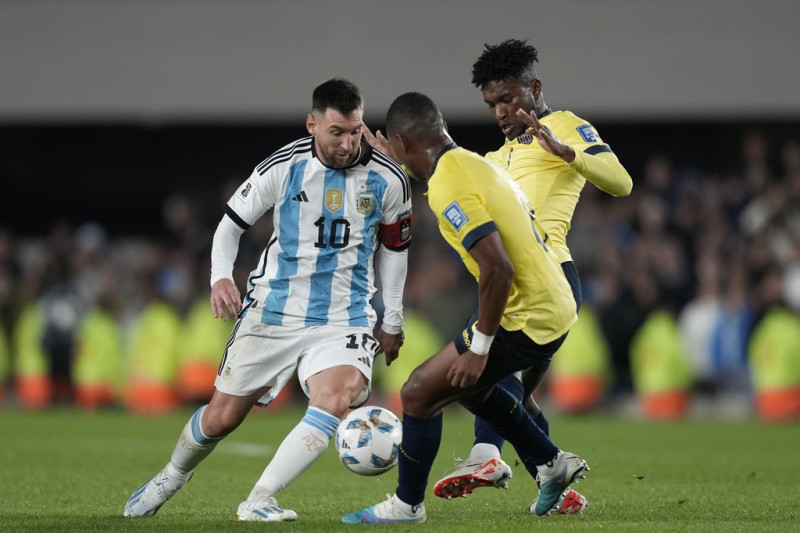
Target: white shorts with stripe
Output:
[(260, 355)]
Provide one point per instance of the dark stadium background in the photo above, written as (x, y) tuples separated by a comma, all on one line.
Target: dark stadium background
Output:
[(120, 174)]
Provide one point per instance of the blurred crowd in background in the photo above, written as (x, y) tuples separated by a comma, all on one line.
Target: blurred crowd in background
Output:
[(691, 294)]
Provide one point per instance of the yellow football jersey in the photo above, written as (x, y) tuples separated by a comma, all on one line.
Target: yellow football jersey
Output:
[(471, 198), (554, 186)]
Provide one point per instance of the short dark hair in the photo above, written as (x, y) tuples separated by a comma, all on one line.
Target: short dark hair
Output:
[(413, 113), (336, 93), (510, 60)]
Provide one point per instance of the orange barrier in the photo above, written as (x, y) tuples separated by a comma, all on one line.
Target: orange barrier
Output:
[(664, 405), (196, 381), (93, 395), (33, 392), (575, 394), (778, 405), (145, 396)]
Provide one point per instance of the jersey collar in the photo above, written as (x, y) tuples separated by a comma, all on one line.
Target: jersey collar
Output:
[(446, 148)]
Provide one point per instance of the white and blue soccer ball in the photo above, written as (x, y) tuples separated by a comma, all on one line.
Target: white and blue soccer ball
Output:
[(368, 440)]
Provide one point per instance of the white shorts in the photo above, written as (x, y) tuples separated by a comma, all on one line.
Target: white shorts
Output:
[(260, 355)]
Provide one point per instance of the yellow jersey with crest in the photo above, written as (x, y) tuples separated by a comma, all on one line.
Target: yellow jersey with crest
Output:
[(553, 185), (472, 198)]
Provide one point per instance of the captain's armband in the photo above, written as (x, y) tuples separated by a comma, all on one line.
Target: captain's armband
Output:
[(397, 235)]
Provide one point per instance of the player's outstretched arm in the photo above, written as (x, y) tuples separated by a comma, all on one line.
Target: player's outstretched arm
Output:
[(603, 169)]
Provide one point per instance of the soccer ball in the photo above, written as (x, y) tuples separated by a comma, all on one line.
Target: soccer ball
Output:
[(368, 440)]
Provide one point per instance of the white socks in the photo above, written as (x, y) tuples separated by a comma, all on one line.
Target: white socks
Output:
[(407, 508), (547, 468), (484, 450), (193, 446), (302, 446)]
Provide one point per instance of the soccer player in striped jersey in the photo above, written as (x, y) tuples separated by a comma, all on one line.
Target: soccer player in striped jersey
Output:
[(337, 204), (551, 155), (525, 308)]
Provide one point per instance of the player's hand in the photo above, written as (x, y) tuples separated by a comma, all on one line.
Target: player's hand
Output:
[(225, 299), (466, 370), (390, 344), (380, 142), (547, 139)]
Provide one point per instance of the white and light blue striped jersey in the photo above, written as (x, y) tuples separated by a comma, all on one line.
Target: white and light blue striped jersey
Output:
[(318, 266)]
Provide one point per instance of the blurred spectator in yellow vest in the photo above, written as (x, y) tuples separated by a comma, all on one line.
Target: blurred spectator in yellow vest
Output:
[(152, 346), (200, 353), (581, 369), (5, 364), (660, 367), (97, 367), (774, 356), (32, 385)]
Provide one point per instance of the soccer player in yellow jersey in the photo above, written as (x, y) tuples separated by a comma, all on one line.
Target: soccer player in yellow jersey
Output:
[(525, 308), (551, 155)]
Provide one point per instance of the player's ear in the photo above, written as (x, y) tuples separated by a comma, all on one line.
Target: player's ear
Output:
[(536, 88), (311, 124), (405, 143)]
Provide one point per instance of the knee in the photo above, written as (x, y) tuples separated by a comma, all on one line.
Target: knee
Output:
[(412, 396), (336, 398), (339, 404), (219, 423)]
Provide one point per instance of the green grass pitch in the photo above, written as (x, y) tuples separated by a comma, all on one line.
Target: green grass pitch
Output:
[(64, 470)]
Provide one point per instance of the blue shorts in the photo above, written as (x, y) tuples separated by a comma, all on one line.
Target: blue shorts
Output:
[(513, 350)]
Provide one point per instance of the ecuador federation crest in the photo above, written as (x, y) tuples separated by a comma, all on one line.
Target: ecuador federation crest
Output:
[(333, 199), (366, 202)]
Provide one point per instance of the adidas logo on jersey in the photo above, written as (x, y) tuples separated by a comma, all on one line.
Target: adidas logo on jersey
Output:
[(366, 360), (300, 197)]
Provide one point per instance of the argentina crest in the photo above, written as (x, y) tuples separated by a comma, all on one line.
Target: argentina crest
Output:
[(333, 199), (366, 202)]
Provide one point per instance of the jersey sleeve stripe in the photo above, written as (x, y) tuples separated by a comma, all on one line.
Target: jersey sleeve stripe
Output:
[(597, 149), (385, 161), (478, 233), (236, 218), (249, 300), (285, 153)]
